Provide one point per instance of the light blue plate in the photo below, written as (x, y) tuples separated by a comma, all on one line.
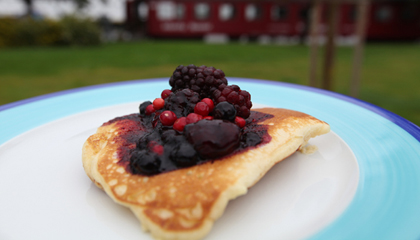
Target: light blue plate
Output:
[(387, 147)]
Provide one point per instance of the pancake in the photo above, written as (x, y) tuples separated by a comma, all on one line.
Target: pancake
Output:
[(183, 204)]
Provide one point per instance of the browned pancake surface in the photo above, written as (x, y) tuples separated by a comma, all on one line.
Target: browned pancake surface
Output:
[(183, 204)]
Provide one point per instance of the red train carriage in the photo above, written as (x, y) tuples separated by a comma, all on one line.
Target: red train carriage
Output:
[(187, 18), (394, 20)]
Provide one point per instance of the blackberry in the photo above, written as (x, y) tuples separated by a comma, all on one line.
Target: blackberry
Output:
[(202, 80), (240, 99), (182, 102)]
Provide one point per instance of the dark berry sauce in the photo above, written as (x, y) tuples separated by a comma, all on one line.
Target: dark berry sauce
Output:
[(148, 150), (200, 119)]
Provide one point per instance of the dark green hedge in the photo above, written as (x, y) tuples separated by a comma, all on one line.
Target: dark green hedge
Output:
[(35, 32)]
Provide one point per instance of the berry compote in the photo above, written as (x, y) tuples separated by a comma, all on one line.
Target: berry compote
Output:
[(200, 119)]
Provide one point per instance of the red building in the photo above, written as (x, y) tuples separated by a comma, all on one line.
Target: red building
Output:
[(387, 20)]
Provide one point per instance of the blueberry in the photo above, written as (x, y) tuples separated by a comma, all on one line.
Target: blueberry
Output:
[(168, 135), (241, 99), (184, 155), (251, 139), (153, 136), (144, 162), (146, 138), (224, 110), (143, 106)]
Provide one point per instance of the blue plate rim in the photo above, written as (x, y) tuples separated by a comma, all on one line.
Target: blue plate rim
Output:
[(393, 119)]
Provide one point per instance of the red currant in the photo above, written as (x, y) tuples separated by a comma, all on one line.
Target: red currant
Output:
[(209, 102), (180, 123), (240, 122), (167, 118), (156, 147), (202, 108), (209, 117), (165, 93), (193, 118), (158, 103), (149, 109)]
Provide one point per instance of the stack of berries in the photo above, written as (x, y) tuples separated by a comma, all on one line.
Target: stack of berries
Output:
[(199, 93), (178, 132)]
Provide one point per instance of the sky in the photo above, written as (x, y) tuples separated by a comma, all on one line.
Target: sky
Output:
[(113, 9)]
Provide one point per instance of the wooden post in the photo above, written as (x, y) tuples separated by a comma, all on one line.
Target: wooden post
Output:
[(362, 13), (314, 41), (332, 15)]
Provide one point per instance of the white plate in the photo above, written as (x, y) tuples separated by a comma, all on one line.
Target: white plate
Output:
[(45, 193)]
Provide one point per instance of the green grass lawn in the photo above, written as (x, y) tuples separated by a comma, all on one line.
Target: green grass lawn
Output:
[(390, 75)]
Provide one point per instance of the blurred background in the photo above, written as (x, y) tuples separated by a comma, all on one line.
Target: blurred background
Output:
[(369, 50)]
